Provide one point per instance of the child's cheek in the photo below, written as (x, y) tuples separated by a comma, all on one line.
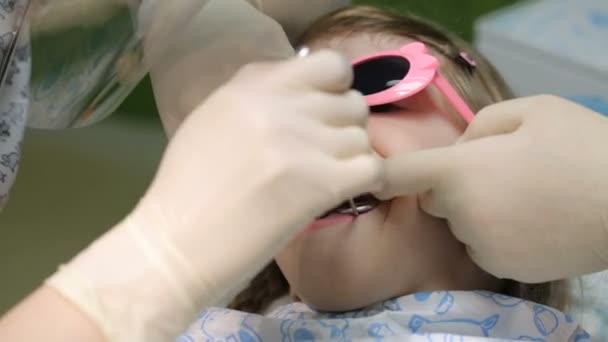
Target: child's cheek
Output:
[(389, 137)]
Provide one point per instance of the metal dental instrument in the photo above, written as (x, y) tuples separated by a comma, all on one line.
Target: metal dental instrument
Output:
[(303, 52), (353, 206), (13, 39)]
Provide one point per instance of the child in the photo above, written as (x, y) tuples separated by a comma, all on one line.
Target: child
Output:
[(391, 271)]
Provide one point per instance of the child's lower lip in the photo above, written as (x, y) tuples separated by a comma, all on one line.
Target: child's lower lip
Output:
[(329, 221)]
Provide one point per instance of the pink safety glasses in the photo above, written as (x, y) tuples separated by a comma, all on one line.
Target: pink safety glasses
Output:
[(391, 76)]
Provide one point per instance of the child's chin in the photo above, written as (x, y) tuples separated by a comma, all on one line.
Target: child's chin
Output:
[(333, 308), (338, 303)]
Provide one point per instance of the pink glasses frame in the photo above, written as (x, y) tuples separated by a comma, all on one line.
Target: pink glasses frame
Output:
[(424, 70)]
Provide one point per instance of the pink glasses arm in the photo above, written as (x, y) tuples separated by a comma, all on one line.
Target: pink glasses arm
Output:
[(450, 93)]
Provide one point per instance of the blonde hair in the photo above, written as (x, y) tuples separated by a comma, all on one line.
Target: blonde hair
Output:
[(479, 86)]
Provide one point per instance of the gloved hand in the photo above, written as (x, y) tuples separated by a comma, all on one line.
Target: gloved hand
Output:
[(221, 37), (266, 154), (526, 188)]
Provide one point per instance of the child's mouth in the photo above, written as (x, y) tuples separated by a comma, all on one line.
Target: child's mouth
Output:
[(360, 205)]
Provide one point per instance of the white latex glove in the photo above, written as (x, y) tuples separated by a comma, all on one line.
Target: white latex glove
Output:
[(266, 154), (223, 36), (526, 188)]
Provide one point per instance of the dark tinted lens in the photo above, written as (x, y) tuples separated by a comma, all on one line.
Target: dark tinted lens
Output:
[(379, 74)]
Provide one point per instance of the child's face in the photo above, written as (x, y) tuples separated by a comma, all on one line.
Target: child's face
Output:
[(396, 249)]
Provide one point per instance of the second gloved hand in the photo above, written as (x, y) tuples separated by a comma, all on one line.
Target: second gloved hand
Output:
[(526, 189), (263, 156)]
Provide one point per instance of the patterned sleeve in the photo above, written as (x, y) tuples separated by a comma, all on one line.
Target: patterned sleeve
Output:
[(13, 97)]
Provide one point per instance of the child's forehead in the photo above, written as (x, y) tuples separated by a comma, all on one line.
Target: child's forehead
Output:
[(357, 45)]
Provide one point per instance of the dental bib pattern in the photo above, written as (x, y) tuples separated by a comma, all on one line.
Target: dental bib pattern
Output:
[(433, 316)]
